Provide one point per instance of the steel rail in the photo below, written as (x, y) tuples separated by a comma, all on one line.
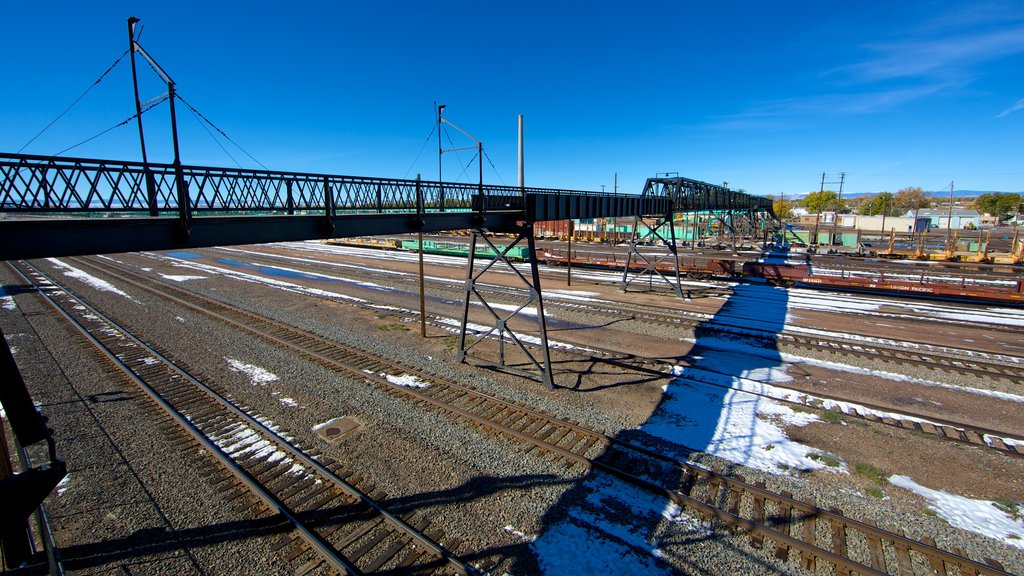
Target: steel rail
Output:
[(318, 543), (980, 431), (725, 516), (308, 534)]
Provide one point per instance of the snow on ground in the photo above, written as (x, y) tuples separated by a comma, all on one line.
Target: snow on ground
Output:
[(407, 380), (240, 440), (725, 344), (63, 485), (288, 286), (258, 376), (289, 402), (531, 311), (579, 295), (182, 278), (609, 531), (6, 300), (733, 425), (89, 279), (980, 516), (526, 339)]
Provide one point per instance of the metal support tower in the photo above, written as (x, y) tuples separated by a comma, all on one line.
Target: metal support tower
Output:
[(650, 265), (532, 306)]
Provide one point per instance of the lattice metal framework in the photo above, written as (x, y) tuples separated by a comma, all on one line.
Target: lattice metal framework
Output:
[(691, 195), (532, 306), (74, 185)]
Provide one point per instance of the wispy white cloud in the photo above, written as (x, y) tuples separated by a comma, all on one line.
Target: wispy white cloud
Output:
[(1018, 105), (947, 56), (781, 113)]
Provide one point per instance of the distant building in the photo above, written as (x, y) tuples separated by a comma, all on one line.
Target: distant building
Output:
[(901, 224), (939, 217)]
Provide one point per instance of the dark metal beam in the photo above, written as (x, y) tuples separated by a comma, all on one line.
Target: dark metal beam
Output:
[(48, 237)]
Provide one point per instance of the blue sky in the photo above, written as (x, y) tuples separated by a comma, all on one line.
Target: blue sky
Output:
[(763, 95)]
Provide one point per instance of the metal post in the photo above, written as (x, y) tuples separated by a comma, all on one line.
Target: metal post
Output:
[(522, 181), (470, 286), (817, 215), (568, 258), (949, 219), (423, 305), (440, 152), (184, 205), (536, 294), (146, 173)]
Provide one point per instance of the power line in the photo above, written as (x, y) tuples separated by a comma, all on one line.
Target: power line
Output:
[(496, 173), (87, 90), (207, 120), (118, 125), (413, 165)]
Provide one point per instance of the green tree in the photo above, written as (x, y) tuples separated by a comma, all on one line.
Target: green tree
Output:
[(997, 203), (783, 208), (881, 203), (910, 198), (818, 202)]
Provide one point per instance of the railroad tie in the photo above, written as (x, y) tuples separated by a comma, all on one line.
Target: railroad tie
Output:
[(839, 539), (809, 535), (938, 566), (875, 548), (906, 566), (784, 524), (757, 539)]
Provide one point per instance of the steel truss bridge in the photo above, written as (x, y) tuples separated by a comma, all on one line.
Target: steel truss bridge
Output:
[(60, 206)]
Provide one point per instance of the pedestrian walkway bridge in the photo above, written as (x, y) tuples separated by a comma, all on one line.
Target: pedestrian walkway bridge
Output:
[(60, 206)]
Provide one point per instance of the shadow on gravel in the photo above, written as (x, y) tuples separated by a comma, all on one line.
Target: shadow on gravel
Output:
[(605, 525)]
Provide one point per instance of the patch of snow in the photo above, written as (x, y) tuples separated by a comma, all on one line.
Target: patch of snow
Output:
[(258, 376), (979, 516), (610, 529), (734, 425), (7, 302), (62, 486), (519, 534), (287, 286), (89, 279), (407, 380), (289, 402), (182, 278)]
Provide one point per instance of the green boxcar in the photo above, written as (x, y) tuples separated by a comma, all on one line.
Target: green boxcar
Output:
[(458, 249)]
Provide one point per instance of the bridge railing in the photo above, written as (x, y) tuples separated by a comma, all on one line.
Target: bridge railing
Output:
[(45, 184)]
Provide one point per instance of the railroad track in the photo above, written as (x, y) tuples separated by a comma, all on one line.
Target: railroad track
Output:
[(946, 429), (794, 530), (951, 360), (334, 515)]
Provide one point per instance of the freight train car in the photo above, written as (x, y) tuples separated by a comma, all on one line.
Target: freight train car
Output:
[(691, 267), (517, 253), (923, 285)]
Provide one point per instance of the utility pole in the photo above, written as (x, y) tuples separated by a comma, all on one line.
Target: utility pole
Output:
[(835, 217), (949, 217), (817, 216)]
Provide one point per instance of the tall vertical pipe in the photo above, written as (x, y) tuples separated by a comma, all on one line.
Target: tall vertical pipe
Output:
[(522, 181)]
